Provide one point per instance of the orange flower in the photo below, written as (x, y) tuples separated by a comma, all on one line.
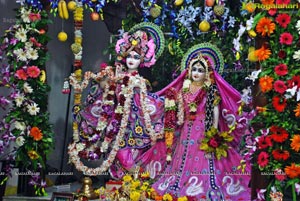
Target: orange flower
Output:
[(36, 133), (266, 83), (292, 171), (169, 138), (295, 145), (297, 110), (262, 53), (267, 2), (265, 26), (261, 109), (33, 155)]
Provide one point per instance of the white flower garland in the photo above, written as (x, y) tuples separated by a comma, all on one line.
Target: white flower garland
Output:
[(128, 92)]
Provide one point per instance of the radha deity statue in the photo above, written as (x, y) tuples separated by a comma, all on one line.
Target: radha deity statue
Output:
[(120, 119), (203, 159)]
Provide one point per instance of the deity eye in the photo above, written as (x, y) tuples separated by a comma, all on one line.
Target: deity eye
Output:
[(136, 57)]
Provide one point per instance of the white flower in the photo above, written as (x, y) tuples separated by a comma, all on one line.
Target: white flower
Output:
[(186, 84), (78, 33), (25, 15), (20, 141), (32, 54), (119, 109), (27, 88), (241, 31), (231, 21), (298, 25), (19, 99), (249, 23), (80, 146), (28, 45), (20, 125), (33, 109), (254, 75), (236, 44), (21, 54), (296, 55), (169, 103), (21, 35)]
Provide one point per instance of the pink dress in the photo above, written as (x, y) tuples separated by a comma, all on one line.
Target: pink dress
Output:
[(193, 172)]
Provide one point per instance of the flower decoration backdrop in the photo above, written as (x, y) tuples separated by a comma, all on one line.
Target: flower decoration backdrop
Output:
[(274, 149), (24, 53)]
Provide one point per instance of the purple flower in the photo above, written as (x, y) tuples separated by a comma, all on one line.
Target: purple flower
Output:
[(93, 155), (3, 102)]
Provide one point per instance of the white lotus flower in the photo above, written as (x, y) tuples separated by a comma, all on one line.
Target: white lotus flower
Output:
[(33, 109)]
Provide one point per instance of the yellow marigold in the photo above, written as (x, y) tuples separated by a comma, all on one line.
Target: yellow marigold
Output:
[(262, 53), (295, 144), (127, 178), (182, 198), (169, 135), (134, 42), (266, 83), (135, 184), (167, 197), (135, 195), (33, 155), (297, 110)]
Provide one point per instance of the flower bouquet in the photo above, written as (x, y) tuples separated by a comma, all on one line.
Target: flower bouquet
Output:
[(216, 143)]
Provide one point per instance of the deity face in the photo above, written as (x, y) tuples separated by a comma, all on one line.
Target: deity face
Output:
[(133, 60), (198, 72)]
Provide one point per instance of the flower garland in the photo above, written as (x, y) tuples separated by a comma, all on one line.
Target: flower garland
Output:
[(170, 122), (77, 149)]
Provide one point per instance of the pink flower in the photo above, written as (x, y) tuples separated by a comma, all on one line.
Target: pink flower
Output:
[(283, 19), (281, 69), (279, 174), (35, 43), (279, 86), (34, 17), (272, 11), (286, 38), (213, 143), (21, 74), (103, 65), (283, 2), (33, 71), (263, 159)]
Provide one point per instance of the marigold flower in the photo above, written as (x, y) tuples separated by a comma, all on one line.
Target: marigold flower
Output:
[(295, 144), (266, 83), (265, 26), (262, 53), (292, 171), (167, 197), (36, 133)]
